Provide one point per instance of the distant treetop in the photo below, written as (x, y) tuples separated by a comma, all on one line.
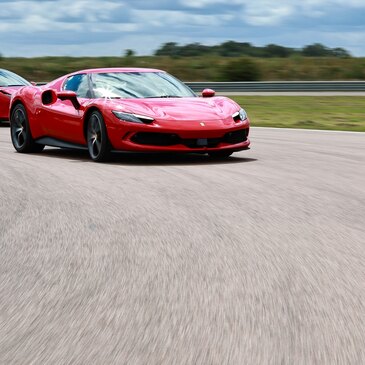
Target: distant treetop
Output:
[(237, 49)]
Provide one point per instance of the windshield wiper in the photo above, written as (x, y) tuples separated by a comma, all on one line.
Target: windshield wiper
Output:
[(13, 85)]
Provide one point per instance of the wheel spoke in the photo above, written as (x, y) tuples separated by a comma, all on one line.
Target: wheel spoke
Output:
[(21, 138), (98, 145), (17, 120), (97, 127), (94, 123), (21, 119), (94, 148)]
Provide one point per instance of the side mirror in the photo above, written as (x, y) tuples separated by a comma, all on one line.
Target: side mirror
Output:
[(208, 93), (33, 83), (69, 95)]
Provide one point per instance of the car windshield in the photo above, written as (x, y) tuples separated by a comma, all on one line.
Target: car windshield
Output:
[(139, 85), (8, 78)]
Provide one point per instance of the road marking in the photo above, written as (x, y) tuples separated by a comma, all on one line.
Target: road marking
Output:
[(309, 130)]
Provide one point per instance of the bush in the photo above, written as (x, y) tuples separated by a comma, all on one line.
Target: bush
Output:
[(241, 69)]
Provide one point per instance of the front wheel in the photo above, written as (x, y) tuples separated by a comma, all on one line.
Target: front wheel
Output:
[(220, 154), (97, 138), (21, 136)]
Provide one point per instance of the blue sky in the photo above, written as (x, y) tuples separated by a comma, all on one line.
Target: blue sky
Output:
[(106, 28)]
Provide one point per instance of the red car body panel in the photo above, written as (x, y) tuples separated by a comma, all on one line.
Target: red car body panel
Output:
[(188, 117), (5, 96)]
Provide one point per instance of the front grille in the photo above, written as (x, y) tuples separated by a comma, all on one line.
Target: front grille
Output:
[(202, 142), (156, 139), (170, 139), (236, 136)]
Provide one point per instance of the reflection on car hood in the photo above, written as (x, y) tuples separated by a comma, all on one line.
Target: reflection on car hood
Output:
[(178, 108)]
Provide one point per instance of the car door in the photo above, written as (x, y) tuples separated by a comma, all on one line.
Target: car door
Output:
[(61, 119)]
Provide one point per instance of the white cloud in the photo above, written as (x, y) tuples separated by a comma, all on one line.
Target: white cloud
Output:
[(177, 18), (29, 27), (199, 4), (267, 13), (60, 13)]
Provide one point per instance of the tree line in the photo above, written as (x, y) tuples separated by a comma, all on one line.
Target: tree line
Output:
[(238, 49)]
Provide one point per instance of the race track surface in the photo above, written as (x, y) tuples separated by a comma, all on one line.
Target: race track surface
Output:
[(183, 260)]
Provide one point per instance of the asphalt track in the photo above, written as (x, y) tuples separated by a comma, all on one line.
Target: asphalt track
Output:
[(185, 260)]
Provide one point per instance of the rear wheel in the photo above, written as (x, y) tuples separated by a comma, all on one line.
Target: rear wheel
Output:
[(97, 138), (220, 154), (21, 136)]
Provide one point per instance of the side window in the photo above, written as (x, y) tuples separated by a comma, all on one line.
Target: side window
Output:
[(79, 84)]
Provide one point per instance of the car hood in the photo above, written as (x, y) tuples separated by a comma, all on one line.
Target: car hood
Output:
[(9, 89), (195, 108)]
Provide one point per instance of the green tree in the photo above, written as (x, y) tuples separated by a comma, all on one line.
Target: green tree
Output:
[(316, 50), (340, 52), (237, 49), (273, 50), (168, 49), (193, 49), (129, 53)]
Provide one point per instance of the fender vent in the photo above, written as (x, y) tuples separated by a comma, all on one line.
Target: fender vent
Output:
[(49, 97)]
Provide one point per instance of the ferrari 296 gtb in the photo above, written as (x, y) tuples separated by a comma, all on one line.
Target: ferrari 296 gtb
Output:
[(125, 109)]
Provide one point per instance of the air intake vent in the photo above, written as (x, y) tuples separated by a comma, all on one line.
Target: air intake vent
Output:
[(156, 139)]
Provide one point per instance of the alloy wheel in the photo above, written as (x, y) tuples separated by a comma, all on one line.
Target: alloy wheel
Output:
[(19, 128), (94, 136)]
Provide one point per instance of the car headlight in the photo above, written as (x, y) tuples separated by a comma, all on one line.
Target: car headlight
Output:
[(134, 118), (240, 115)]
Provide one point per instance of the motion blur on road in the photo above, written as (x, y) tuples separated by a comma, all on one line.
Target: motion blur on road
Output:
[(259, 259)]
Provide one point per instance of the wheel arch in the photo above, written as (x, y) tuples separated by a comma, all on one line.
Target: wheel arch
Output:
[(33, 125), (86, 117), (13, 105)]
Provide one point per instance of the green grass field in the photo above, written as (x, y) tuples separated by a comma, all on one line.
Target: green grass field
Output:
[(311, 112), (200, 68), (345, 113)]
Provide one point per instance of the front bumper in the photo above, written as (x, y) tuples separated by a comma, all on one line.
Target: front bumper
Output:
[(151, 138)]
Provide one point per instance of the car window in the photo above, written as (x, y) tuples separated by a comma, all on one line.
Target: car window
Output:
[(138, 85), (78, 83), (8, 78)]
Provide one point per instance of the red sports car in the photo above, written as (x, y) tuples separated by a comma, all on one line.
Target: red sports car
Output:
[(126, 109), (9, 83)]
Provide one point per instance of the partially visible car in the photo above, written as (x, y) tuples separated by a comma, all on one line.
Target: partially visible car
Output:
[(9, 84), (126, 109)]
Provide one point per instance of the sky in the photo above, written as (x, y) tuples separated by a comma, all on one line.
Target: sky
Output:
[(31, 28)]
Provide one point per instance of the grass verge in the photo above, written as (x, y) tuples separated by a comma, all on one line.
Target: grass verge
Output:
[(346, 113)]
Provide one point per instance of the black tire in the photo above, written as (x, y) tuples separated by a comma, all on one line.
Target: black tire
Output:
[(20, 132), (97, 138), (220, 154)]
